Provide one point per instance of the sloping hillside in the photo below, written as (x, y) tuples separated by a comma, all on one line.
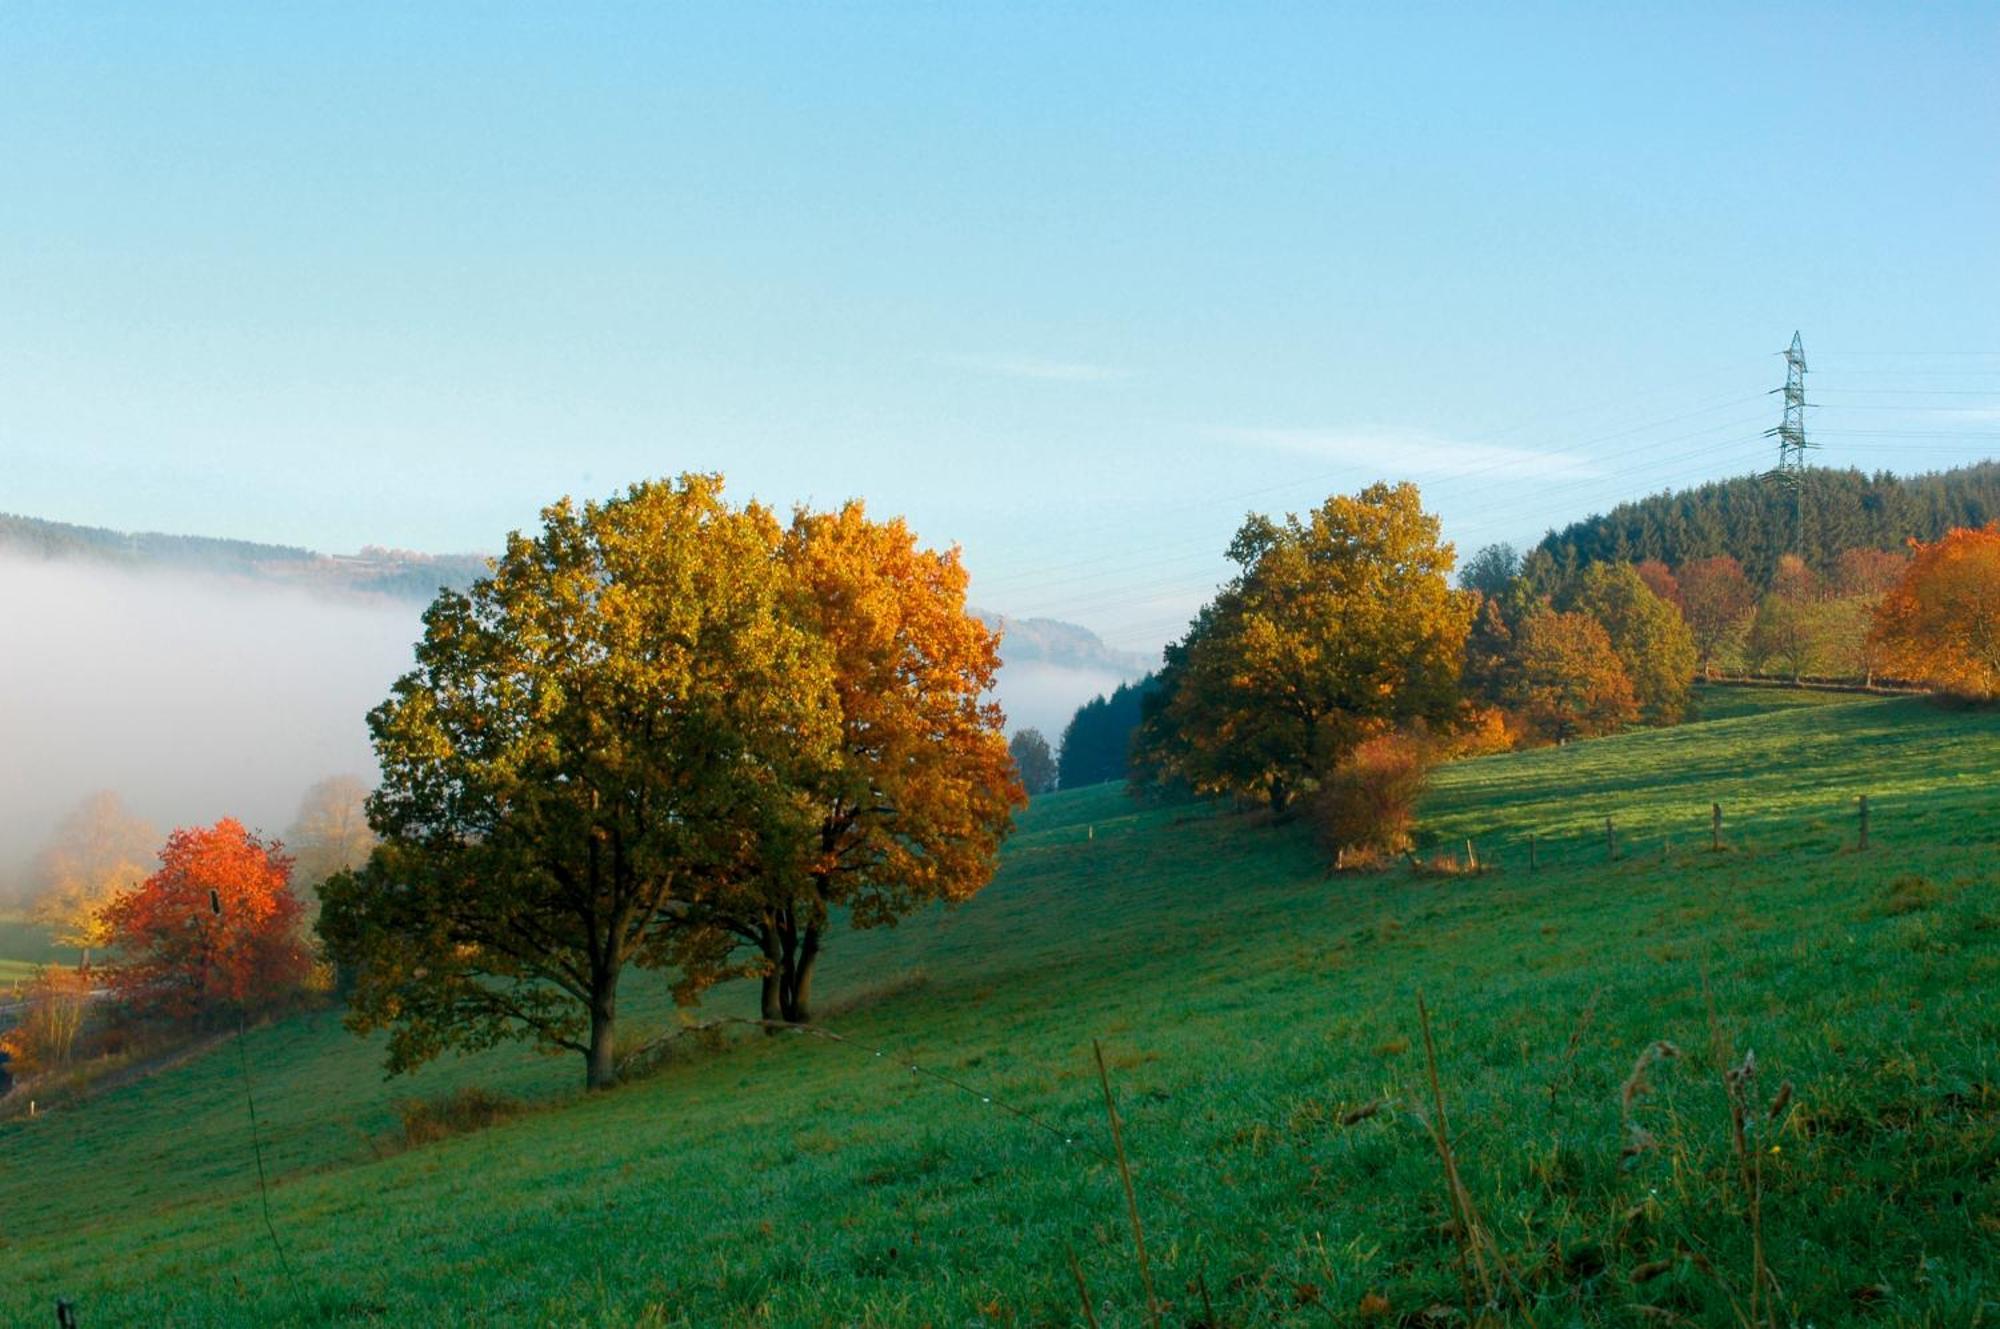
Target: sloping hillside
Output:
[(1248, 1006)]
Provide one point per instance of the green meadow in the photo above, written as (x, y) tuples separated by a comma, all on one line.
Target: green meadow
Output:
[(24, 948), (1259, 1019)]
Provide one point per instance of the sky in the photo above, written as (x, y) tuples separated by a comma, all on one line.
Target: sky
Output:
[(1072, 286)]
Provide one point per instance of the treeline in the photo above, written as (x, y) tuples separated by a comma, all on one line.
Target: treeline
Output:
[(1097, 742), (1757, 522), (400, 573), (1339, 661)]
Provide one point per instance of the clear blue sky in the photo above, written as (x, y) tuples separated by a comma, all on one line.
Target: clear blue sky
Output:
[(1073, 286)]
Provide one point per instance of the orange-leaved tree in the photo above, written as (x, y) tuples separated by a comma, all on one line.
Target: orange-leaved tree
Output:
[(1572, 682), (1717, 601), (1940, 625), (215, 931), (910, 805)]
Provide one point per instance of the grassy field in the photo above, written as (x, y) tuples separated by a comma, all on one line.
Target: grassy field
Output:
[(1247, 1004), (24, 948)]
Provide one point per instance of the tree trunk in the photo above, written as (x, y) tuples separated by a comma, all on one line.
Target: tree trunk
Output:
[(798, 990), (601, 1063)]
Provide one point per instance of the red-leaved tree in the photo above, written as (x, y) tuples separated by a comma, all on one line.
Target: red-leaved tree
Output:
[(215, 931)]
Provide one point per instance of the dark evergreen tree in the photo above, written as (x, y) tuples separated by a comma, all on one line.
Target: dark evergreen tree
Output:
[(1097, 742), (1756, 521)]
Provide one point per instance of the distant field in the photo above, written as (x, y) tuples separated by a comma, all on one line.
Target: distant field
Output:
[(1247, 1003), (25, 947), (1729, 701)]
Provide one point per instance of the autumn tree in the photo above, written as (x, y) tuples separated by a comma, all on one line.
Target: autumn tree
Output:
[(1788, 631), (1717, 600), (97, 850), (1572, 681), (1660, 580), (1649, 635), (330, 833), (1940, 624), (1033, 762), (910, 803), (1335, 624), (215, 930), (611, 723)]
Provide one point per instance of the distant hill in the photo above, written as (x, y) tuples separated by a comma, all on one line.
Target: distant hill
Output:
[(406, 575), (1754, 518), (1052, 641), (397, 573)]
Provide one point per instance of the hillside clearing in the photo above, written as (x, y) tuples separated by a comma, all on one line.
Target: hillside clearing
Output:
[(1246, 1003)]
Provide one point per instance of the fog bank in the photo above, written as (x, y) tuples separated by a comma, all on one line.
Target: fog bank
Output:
[(192, 697), (196, 697)]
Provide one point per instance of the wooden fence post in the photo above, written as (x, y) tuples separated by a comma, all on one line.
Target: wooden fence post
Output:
[(1610, 839), (1864, 821), (1531, 851), (1715, 827)]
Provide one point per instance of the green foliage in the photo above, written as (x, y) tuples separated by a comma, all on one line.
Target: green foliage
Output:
[(1033, 762), (1756, 521), (597, 725), (1650, 636), (797, 1181), (1097, 742)]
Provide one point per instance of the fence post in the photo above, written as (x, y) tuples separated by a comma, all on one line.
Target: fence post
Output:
[(1864, 821), (1715, 827), (1610, 839), (1531, 852)]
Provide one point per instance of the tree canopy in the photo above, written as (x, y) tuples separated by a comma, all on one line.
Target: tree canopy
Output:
[(911, 799), (1940, 624), (662, 728), (1097, 742), (1033, 762), (215, 930), (1335, 624)]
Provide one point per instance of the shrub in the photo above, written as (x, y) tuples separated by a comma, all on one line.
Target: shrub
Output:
[(460, 1112), (1368, 801), (57, 1001)]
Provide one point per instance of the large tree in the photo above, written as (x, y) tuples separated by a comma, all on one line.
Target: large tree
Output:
[(911, 803), (1335, 624), (1717, 601), (1571, 681), (1941, 623), (606, 725), (1651, 638)]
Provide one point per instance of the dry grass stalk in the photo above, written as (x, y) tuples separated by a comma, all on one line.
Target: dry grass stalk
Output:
[(1364, 1112), (1082, 1288), (1567, 1070), (1739, 1084), (1638, 1139), (1131, 1196), (1476, 1244)]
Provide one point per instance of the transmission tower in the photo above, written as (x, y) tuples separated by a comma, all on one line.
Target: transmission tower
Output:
[(1791, 436)]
